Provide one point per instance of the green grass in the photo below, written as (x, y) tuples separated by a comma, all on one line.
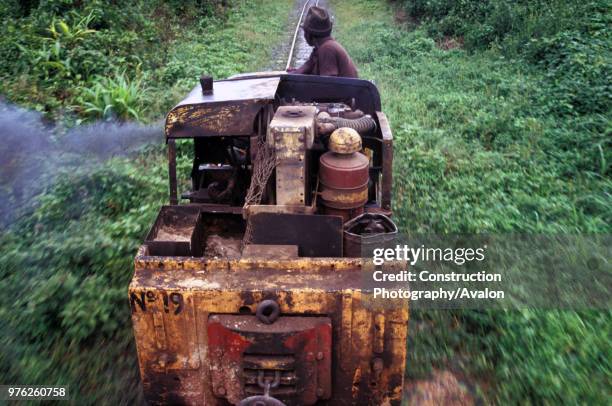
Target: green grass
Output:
[(492, 140), (68, 262)]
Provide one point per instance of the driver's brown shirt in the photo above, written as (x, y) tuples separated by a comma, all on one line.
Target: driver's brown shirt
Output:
[(329, 58)]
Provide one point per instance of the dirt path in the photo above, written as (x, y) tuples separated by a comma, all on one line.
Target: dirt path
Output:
[(443, 388)]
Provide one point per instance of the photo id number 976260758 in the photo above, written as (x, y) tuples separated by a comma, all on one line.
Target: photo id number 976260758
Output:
[(33, 392)]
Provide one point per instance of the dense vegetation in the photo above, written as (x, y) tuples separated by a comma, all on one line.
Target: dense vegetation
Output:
[(67, 263), (102, 59), (501, 116)]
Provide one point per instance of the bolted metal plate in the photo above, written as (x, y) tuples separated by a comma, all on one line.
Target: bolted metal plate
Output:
[(295, 350), (315, 235)]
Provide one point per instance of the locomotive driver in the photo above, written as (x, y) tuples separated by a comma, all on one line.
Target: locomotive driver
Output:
[(328, 58)]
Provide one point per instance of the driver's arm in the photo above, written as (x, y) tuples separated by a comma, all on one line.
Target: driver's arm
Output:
[(307, 68)]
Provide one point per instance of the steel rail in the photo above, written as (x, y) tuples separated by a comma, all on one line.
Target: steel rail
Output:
[(297, 29)]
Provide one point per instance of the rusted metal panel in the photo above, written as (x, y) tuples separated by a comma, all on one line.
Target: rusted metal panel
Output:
[(290, 184), (294, 350), (279, 208), (176, 231), (172, 172), (230, 109), (197, 289), (316, 236), (168, 318), (271, 251), (346, 214), (387, 170), (220, 119)]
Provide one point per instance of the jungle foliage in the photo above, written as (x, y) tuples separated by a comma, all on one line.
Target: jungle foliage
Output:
[(501, 119), (129, 60)]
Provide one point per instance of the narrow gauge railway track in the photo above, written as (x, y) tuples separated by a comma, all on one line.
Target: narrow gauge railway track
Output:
[(293, 50), (297, 30)]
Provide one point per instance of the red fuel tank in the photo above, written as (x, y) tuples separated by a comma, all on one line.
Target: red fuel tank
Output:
[(344, 175)]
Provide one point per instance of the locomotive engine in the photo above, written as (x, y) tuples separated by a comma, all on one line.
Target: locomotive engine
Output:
[(248, 289)]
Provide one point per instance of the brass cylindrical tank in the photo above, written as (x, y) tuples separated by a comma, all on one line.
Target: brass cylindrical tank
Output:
[(344, 175)]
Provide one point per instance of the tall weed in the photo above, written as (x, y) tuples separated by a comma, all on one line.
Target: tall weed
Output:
[(114, 97)]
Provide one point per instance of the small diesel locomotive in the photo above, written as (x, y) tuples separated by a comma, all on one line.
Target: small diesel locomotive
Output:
[(248, 289)]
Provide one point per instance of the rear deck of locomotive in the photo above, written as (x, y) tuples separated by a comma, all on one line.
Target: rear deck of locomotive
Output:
[(227, 126)]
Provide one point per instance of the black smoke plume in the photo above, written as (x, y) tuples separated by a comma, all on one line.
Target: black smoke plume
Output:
[(33, 153)]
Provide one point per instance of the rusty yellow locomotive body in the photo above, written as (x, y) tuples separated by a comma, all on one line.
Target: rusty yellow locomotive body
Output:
[(251, 292)]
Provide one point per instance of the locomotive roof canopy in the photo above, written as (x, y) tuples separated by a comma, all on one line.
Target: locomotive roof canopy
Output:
[(233, 106)]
